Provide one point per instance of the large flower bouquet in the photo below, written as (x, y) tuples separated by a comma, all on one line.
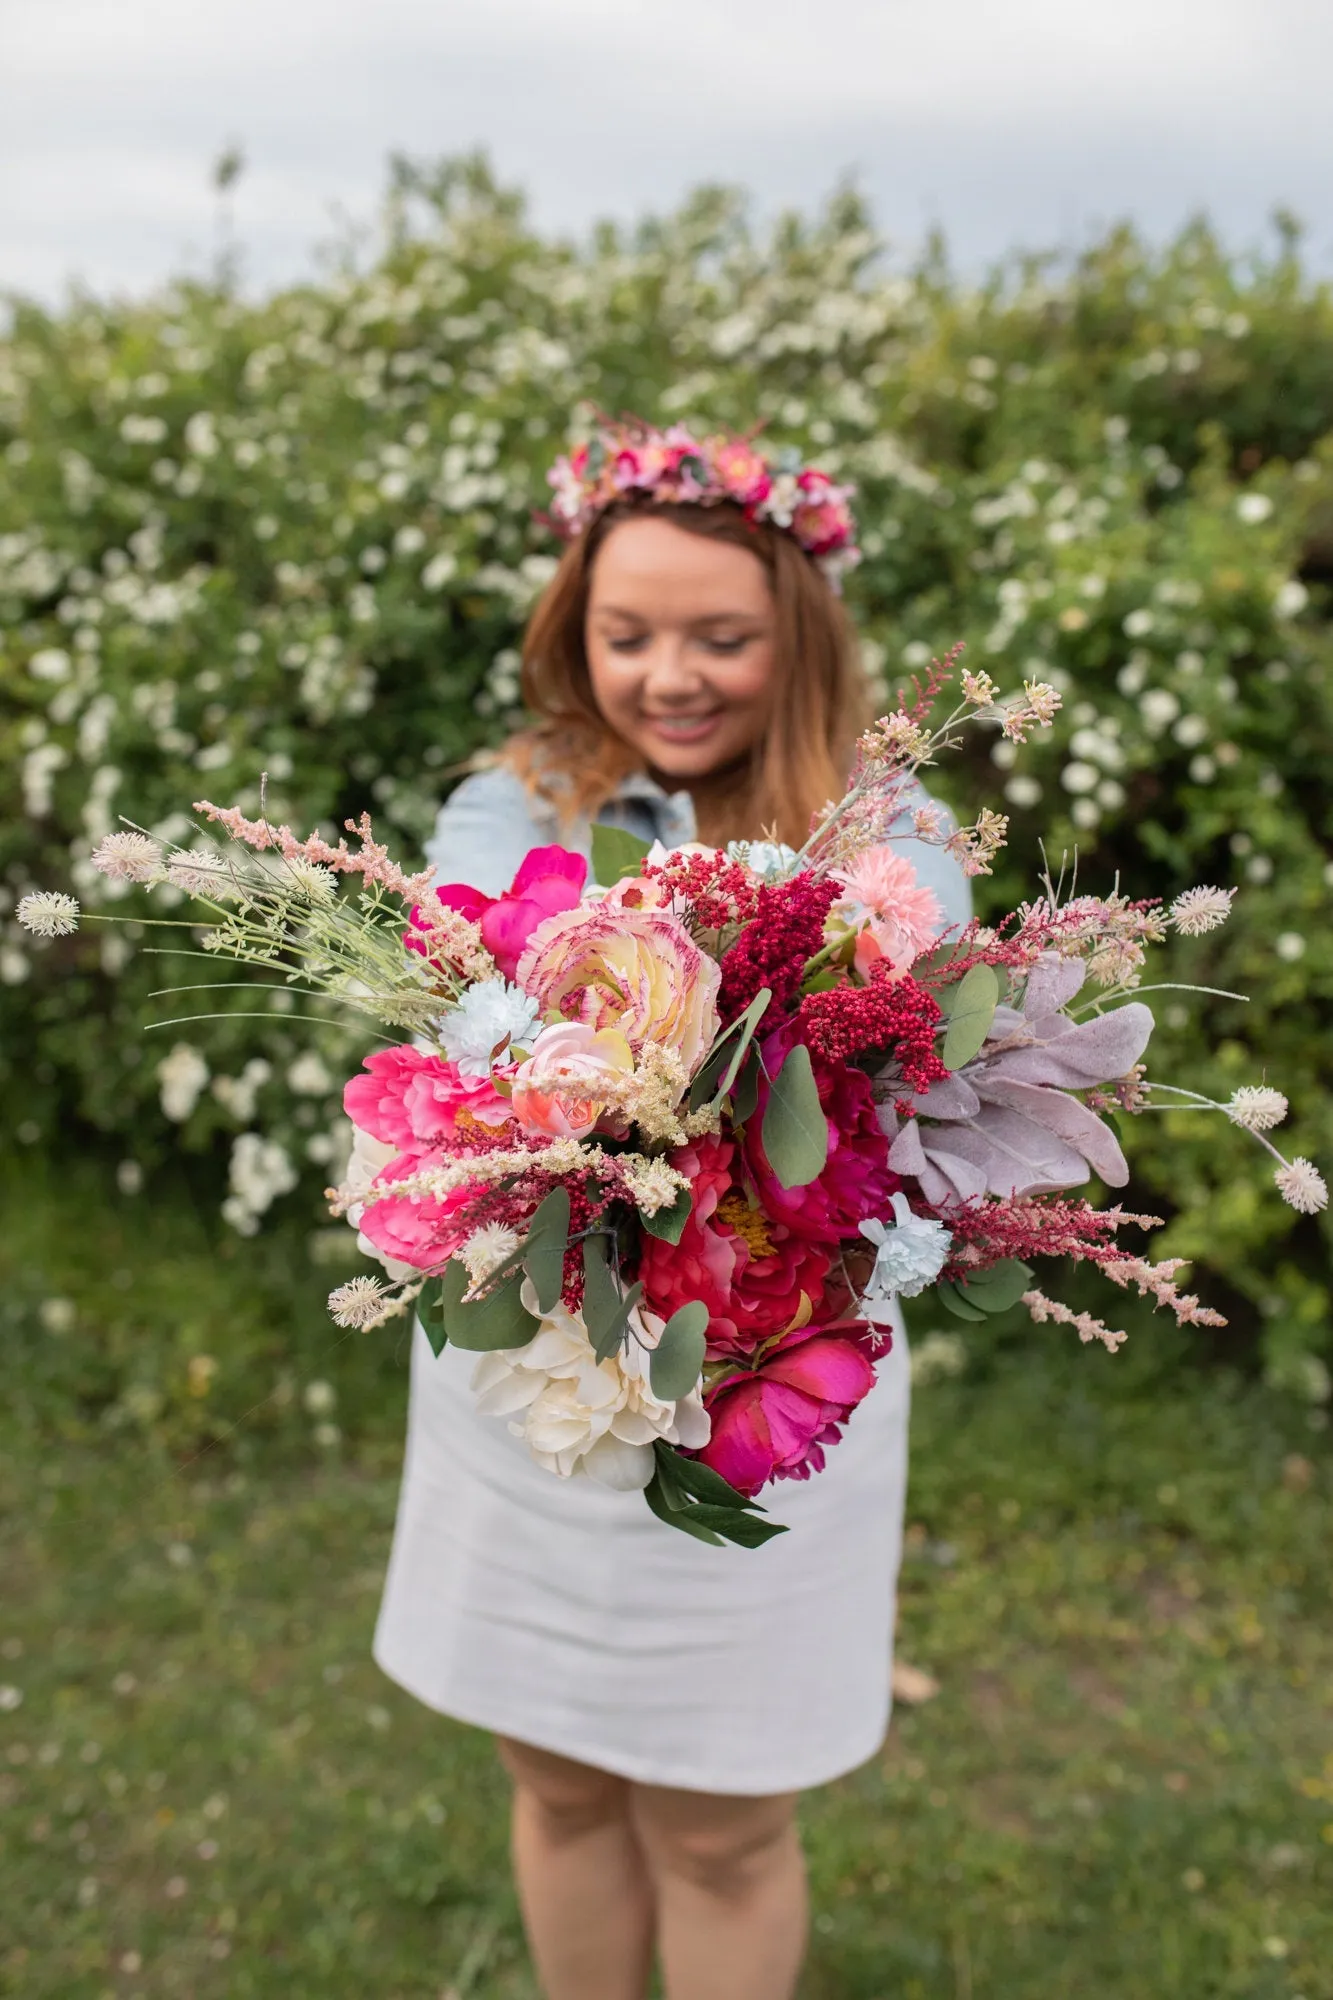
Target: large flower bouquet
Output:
[(665, 1150)]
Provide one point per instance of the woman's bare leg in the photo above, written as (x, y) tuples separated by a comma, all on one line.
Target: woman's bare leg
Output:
[(729, 1882), (582, 1883)]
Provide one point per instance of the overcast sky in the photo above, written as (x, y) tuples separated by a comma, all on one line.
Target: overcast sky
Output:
[(1028, 122)]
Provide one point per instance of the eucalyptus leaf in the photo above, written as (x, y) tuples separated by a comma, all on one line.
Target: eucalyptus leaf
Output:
[(497, 1319), (675, 1363), (953, 1301), (669, 1223), (544, 1250), (606, 1309), (745, 1091), (795, 1130), (718, 1071), (1000, 1287), (430, 1311), (616, 853), (975, 999)]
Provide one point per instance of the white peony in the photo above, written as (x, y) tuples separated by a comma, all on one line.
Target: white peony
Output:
[(578, 1414), (369, 1157)]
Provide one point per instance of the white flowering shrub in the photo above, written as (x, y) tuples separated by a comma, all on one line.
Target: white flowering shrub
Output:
[(296, 536)]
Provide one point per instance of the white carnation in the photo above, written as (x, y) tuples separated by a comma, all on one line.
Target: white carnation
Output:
[(478, 1031), (910, 1254)]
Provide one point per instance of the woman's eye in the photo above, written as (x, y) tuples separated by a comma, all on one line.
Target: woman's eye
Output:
[(633, 644), (727, 647)]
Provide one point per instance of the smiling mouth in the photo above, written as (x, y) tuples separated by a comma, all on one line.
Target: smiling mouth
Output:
[(684, 728)]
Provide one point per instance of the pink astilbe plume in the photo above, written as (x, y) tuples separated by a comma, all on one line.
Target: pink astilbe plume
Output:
[(1157, 1282), (372, 864), (1041, 1308)]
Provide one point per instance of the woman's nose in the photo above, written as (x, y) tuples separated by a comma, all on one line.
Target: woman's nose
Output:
[(669, 673)]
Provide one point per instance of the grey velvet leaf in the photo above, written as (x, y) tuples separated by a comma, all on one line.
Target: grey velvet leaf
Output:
[(1052, 984)]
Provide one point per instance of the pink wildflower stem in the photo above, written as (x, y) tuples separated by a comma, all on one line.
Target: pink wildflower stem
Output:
[(372, 863)]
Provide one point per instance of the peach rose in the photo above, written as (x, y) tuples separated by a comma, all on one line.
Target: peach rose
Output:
[(636, 970), (569, 1052)]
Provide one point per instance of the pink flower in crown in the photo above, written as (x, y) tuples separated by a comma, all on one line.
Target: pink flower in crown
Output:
[(896, 918), (742, 471), (569, 1052), (821, 520), (410, 1100), (549, 879)]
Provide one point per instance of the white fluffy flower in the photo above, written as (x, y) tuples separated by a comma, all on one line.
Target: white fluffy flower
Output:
[(486, 1250), (1256, 1108), (578, 1414), (478, 1031), (910, 1254), (48, 913), (1199, 910), (358, 1303), (128, 857), (1301, 1185)]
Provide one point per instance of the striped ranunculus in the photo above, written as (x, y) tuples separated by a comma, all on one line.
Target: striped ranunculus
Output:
[(636, 970)]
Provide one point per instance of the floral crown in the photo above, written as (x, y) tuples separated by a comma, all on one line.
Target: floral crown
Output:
[(627, 459)]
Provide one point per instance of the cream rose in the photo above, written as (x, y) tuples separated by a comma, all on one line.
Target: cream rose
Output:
[(636, 970)]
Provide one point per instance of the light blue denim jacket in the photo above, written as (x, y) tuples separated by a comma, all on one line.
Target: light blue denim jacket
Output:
[(484, 830)]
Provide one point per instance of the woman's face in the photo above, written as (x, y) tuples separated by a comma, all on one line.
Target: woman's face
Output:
[(680, 644)]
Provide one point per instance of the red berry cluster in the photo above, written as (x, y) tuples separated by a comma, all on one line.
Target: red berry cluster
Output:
[(719, 892), (894, 1017), (788, 928)]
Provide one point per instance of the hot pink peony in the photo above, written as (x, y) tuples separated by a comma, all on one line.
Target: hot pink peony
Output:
[(896, 918), (748, 1270), (857, 1179), (411, 1100), (636, 970), (549, 879), (567, 1053), (775, 1423)]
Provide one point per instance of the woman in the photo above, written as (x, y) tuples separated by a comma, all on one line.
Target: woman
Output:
[(659, 1703)]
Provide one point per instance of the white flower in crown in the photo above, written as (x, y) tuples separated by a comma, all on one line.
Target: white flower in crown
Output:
[(910, 1254), (491, 1015)]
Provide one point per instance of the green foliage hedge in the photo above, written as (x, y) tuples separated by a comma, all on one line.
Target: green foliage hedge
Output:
[(296, 535)]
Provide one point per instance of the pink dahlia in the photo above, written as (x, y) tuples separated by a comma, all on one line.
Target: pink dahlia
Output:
[(749, 1270), (549, 879), (776, 1422), (857, 1179), (895, 917)]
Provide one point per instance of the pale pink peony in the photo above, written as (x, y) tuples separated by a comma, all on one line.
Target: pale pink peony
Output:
[(636, 970), (895, 917), (569, 1052)]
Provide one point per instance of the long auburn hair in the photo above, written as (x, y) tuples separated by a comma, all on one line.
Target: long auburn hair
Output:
[(572, 758)]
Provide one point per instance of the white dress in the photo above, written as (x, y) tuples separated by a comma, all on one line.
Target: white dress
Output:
[(566, 1615)]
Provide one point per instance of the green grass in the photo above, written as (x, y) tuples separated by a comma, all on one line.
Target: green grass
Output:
[(1116, 1568)]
